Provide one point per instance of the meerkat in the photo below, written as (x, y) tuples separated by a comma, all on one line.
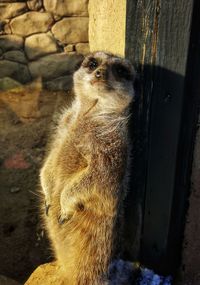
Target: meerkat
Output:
[(83, 174)]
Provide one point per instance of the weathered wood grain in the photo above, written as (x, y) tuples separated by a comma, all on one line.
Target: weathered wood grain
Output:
[(157, 42)]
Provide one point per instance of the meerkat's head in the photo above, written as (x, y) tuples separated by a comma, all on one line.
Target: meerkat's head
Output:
[(106, 78)]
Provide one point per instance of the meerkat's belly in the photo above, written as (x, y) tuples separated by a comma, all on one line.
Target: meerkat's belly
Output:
[(80, 222)]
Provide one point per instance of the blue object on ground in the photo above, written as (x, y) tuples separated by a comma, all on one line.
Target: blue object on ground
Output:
[(148, 277), (121, 272), (125, 273)]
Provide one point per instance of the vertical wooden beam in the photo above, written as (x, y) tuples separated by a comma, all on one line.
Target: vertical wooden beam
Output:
[(157, 41), (107, 25), (188, 157)]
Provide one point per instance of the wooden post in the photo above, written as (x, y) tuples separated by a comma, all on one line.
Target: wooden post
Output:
[(158, 41), (107, 25)]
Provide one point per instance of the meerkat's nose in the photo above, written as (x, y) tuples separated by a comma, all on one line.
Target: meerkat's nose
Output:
[(101, 73)]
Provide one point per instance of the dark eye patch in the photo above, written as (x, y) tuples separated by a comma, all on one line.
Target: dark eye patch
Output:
[(91, 63), (122, 71)]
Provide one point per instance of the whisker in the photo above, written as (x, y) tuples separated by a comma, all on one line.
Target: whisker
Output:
[(36, 194)]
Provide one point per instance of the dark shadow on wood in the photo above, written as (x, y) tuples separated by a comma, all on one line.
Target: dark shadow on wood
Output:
[(164, 134), (163, 42)]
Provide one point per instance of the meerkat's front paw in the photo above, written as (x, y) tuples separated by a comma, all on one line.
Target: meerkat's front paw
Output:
[(64, 218), (69, 209)]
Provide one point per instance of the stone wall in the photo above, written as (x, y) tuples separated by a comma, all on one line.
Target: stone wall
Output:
[(37, 37)]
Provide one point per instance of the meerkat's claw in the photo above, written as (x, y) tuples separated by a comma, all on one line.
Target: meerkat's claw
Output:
[(62, 220), (47, 206)]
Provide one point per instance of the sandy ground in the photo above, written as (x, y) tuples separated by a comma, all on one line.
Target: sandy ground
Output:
[(23, 244)]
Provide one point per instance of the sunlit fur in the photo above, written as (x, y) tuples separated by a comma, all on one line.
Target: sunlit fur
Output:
[(83, 175)]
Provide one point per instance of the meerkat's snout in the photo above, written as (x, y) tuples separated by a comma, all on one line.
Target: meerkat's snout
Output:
[(101, 74)]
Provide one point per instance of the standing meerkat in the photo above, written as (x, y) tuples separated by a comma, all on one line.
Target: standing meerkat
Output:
[(83, 174)]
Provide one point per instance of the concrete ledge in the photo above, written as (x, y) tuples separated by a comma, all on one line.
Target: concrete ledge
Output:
[(46, 274)]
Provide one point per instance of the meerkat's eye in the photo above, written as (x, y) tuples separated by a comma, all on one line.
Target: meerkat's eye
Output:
[(92, 64)]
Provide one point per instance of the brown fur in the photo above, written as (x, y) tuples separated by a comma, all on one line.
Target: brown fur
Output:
[(82, 177)]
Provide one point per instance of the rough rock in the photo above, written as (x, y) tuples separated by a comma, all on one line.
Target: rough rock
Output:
[(8, 83), (40, 44), (83, 48), (30, 23), (24, 102), (72, 52), (14, 70), (2, 24), (7, 29), (60, 83), (53, 66), (8, 10), (46, 274), (57, 17), (34, 5), (16, 161), (69, 48), (15, 55), (11, 1), (7, 281), (15, 190), (11, 42), (71, 30), (67, 7)]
